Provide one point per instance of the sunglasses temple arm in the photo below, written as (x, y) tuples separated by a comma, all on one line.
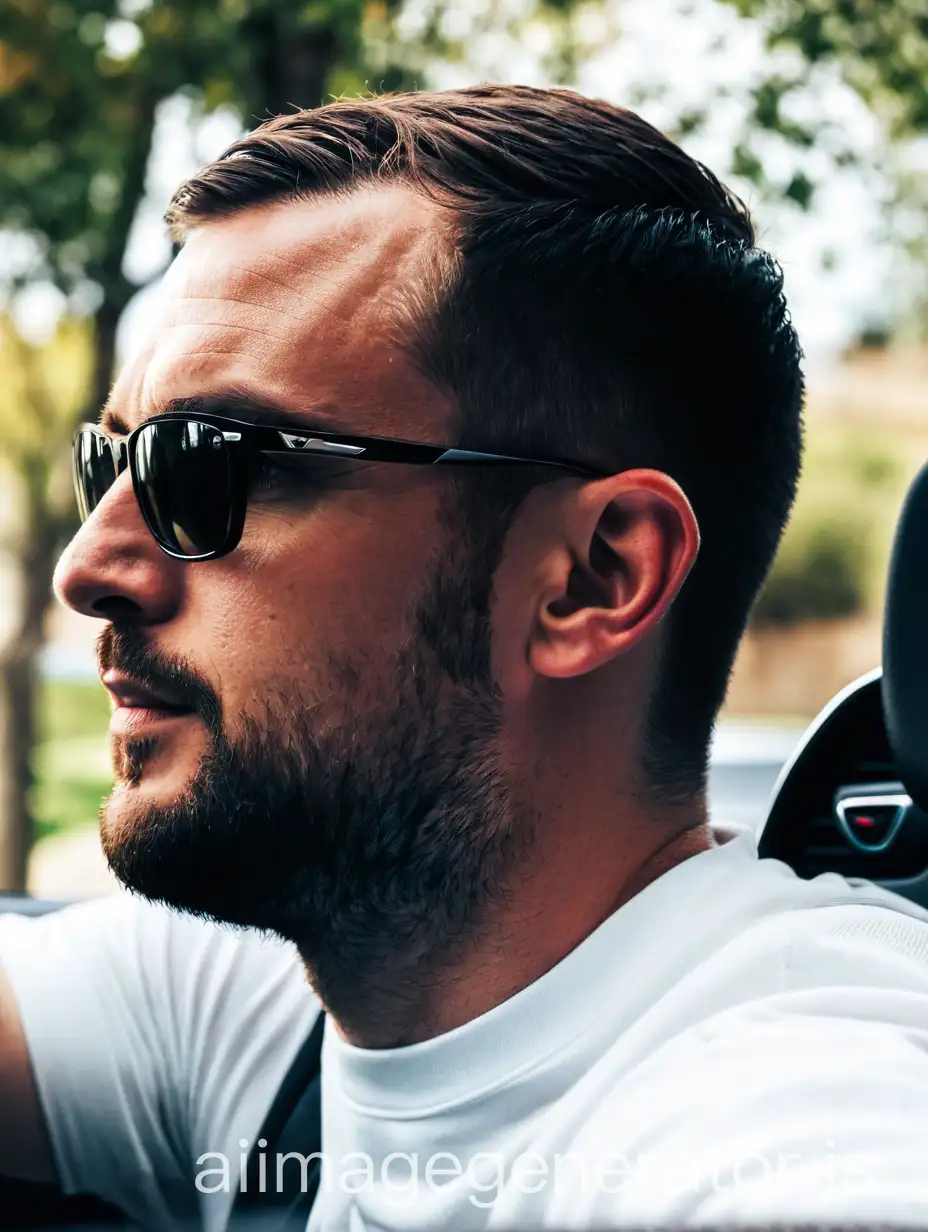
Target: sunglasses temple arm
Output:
[(499, 459)]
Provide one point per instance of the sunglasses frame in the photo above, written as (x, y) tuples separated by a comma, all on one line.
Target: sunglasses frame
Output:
[(242, 439)]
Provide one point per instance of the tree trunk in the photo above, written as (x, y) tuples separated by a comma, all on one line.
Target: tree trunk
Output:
[(34, 564), (104, 358), (34, 558), (291, 65), (17, 726)]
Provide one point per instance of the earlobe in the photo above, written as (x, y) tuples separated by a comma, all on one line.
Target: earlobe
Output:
[(632, 540)]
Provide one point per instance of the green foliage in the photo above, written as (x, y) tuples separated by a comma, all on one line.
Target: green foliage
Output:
[(72, 710), (70, 785), (80, 83), (820, 572), (881, 46), (880, 49), (71, 759), (55, 374), (833, 556), (42, 391)]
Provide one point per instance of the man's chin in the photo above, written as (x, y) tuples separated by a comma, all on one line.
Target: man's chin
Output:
[(128, 801), (142, 828), (158, 764), (131, 809), (170, 831), (153, 780)]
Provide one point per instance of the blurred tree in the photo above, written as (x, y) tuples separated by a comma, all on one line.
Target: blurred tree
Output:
[(880, 45), (43, 389), (880, 48)]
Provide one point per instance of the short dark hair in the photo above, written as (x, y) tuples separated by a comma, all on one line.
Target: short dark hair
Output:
[(606, 302)]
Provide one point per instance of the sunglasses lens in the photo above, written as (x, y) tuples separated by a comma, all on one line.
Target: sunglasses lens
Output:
[(94, 470), (184, 486)]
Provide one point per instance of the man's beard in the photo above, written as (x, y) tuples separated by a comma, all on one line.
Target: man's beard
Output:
[(377, 846)]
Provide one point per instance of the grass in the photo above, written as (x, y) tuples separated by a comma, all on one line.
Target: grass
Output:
[(72, 764), (832, 561)]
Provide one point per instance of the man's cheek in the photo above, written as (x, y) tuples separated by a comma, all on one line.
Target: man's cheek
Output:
[(278, 703)]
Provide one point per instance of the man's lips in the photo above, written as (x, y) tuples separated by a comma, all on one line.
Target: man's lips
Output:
[(129, 694)]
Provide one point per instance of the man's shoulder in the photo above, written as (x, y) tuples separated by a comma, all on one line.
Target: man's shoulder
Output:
[(841, 934), (810, 1006), (768, 931), (819, 993), (763, 1114), (845, 961), (762, 1104)]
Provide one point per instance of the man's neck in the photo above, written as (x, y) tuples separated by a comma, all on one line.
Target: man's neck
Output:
[(552, 902)]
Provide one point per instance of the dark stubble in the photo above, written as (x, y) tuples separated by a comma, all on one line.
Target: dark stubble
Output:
[(377, 847)]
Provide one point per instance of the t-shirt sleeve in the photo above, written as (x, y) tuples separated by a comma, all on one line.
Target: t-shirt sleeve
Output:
[(154, 1038)]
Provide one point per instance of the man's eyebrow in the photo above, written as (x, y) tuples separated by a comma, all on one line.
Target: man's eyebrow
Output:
[(236, 405)]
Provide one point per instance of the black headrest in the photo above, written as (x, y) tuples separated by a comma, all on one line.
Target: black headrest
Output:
[(905, 643)]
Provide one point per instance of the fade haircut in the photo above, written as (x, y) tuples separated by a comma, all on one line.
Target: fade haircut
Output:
[(605, 302)]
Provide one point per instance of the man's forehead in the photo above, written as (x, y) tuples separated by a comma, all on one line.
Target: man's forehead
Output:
[(302, 304), (381, 234)]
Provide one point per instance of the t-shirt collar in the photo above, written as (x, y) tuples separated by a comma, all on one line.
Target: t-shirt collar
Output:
[(518, 1035)]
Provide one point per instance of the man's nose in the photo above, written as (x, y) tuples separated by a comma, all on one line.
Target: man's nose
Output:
[(113, 568)]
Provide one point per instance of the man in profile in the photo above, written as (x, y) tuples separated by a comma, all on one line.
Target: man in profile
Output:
[(423, 532)]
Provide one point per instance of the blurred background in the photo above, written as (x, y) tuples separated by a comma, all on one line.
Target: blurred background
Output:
[(815, 111)]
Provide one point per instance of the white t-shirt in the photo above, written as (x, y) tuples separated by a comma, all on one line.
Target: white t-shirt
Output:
[(733, 1045)]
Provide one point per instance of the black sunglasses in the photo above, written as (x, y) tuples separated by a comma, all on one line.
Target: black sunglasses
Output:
[(190, 473)]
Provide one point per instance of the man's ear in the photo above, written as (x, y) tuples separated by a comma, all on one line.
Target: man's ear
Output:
[(630, 540)]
